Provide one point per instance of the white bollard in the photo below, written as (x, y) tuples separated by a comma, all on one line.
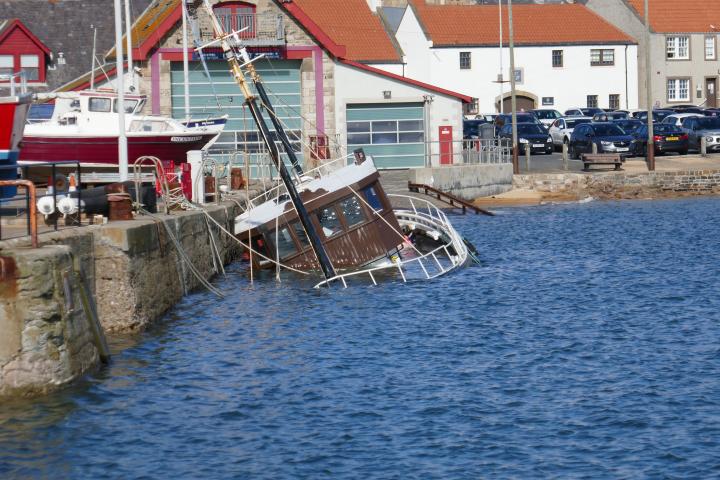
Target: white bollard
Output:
[(194, 158), (703, 146), (565, 156)]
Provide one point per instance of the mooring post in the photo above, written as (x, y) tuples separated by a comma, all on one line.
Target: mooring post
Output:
[(527, 157), (703, 147), (594, 148), (565, 156)]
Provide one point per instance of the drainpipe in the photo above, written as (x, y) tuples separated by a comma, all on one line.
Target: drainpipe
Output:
[(626, 80)]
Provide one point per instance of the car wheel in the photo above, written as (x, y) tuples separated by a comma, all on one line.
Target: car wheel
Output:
[(684, 151)]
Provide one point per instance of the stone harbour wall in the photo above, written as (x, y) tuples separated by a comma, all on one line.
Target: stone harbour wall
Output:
[(133, 272), (466, 181), (623, 185)]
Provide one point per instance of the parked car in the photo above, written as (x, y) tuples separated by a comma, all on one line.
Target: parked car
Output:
[(583, 112), (686, 109), (699, 127), (658, 115), (546, 115), (470, 128), (530, 135), (522, 117), (608, 137), (609, 116), (629, 125), (677, 118), (562, 128), (666, 138), (712, 112)]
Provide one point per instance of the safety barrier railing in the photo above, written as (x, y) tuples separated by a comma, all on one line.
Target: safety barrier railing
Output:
[(433, 264), (48, 204)]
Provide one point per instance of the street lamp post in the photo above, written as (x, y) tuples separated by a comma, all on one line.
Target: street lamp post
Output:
[(650, 150), (513, 100)]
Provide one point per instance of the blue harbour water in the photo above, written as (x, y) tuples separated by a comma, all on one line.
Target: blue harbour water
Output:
[(587, 345)]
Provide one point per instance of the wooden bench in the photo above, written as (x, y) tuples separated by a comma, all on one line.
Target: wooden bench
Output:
[(614, 159)]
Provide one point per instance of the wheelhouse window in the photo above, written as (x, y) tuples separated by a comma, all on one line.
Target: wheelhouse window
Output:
[(710, 48), (7, 64), (557, 58), (285, 243), (300, 234), (129, 106), (236, 16), (602, 56), (149, 126), (678, 89), (352, 210), (465, 61), (373, 199), (98, 104), (614, 101), (592, 101), (677, 47), (329, 222), (30, 64)]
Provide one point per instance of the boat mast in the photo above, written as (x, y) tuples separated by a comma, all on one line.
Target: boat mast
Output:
[(234, 56), (186, 74), (128, 28)]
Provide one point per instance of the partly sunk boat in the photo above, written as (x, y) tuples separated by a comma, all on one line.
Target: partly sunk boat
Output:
[(84, 128), (337, 217)]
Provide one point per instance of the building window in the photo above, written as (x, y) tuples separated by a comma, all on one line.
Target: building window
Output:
[(677, 48), (548, 101), (557, 58), (7, 64), (602, 56), (710, 48), (235, 16), (471, 108), (30, 64), (518, 75), (382, 132), (678, 89), (614, 101), (592, 101), (465, 61)]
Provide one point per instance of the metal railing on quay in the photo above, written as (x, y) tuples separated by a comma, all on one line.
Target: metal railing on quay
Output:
[(14, 207), (473, 151)]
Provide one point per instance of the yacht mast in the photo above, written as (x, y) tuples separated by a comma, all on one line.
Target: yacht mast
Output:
[(235, 55), (128, 28), (186, 73)]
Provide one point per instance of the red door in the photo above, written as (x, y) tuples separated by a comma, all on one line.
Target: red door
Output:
[(446, 147)]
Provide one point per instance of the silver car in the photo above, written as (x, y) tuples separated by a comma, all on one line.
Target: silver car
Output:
[(699, 127), (562, 128)]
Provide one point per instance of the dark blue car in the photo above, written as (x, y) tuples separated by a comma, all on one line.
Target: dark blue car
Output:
[(608, 138)]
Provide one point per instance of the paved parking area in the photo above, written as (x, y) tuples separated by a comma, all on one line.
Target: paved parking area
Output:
[(671, 162)]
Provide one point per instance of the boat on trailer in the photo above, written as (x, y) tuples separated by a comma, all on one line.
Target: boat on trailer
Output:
[(336, 218)]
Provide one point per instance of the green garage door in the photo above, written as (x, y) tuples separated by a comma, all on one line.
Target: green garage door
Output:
[(393, 134), (282, 82)]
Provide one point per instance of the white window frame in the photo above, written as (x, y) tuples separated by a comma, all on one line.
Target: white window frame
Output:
[(7, 67), (710, 48), (677, 47), (674, 87)]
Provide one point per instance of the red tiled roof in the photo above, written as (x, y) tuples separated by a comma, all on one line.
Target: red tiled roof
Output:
[(349, 24), (687, 16), (468, 25)]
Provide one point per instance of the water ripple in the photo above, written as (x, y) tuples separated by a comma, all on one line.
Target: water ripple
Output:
[(585, 346)]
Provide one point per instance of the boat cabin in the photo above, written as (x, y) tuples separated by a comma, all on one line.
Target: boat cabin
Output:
[(72, 107), (354, 220)]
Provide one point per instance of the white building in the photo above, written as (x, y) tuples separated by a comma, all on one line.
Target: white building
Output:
[(566, 56)]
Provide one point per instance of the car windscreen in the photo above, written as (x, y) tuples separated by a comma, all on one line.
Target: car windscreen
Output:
[(573, 123), (530, 129), (629, 126), (707, 123), (608, 130), (664, 128), (546, 114)]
